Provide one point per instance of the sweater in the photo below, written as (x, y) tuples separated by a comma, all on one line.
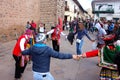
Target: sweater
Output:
[(81, 34), (41, 55)]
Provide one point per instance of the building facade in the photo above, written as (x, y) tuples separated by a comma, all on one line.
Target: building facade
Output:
[(14, 14), (50, 10), (73, 9), (108, 9)]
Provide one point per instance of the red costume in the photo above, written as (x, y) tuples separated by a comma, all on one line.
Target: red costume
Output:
[(17, 50), (56, 35)]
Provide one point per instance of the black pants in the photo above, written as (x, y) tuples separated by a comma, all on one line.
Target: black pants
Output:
[(18, 68), (55, 45)]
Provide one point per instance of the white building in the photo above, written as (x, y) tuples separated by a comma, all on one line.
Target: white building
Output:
[(108, 9), (73, 9)]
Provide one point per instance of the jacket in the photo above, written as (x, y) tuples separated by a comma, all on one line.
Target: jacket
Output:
[(41, 55), (17, 49)]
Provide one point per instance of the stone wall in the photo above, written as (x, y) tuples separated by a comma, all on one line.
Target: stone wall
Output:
[(15, 13), (13, 17), (18, 12), (50, 10)]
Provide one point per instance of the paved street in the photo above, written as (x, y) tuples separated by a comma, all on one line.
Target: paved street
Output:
[(85, 69)]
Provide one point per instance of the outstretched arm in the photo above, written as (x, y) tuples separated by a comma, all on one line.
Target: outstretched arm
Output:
[(60, 55), (50, 32), (90, 54)]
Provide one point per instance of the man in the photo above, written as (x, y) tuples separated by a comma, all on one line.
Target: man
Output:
[(56, 34), (20, 45), (33, 26), (41, 55), (100, 34)]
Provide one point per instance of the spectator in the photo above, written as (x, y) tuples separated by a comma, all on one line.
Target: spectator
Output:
[(110, 27), (28, 26), (41, 28), (33, 26)]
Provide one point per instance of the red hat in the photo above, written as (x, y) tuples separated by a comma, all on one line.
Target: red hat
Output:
[(28, 32)]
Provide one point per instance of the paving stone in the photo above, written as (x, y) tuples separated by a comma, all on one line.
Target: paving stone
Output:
[(85, 69)]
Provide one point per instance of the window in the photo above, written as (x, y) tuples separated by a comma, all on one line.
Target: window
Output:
[(65, 3), (66, 6)]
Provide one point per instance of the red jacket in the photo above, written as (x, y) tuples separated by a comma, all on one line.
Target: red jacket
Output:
[(33, 25), (56, 34), (17, 50), (57, 31)]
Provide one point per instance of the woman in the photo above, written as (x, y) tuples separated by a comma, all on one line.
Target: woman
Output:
[(108, 59), (81, 32)]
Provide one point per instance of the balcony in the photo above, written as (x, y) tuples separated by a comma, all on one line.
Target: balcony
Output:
[(67, 8), (103, 11)]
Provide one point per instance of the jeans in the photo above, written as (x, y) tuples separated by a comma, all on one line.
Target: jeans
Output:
[(79, 47), (42, 76)]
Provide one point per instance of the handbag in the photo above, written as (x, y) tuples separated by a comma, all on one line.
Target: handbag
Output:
[(78, 40)]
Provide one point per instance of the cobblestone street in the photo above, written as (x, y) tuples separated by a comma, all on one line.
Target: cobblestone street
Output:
[(85, 69)]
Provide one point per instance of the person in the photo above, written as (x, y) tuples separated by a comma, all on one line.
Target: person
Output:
[(55, 35), (109, 59), (20, 46), (110, 27), (80, 31), (67, 26), (33, 26), (41, 55), (116, 31), (41, 28), (70, 37), (100, 34), (28, 25), (105, 26), (91, 25)]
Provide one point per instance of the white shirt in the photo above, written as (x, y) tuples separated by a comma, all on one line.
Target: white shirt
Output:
[(22, 42), (51, 31)]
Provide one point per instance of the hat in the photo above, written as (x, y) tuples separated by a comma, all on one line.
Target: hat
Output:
[(28, 32), (40, 37)]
